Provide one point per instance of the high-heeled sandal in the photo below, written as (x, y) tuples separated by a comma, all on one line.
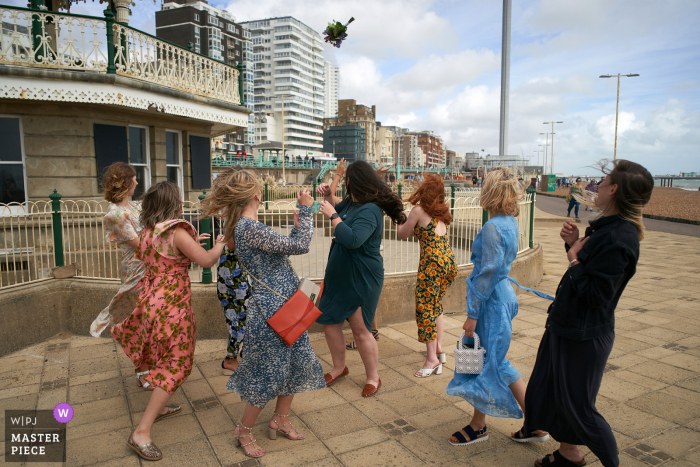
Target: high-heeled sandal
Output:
[(225, 371), (442, 357), (252, 439), (144, 384), (425, 372), (273, 431)]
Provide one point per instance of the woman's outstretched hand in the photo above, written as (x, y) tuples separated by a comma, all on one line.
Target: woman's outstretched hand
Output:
[(327, 209), (304, 198), (340, 170), (324, 189), (202, 237)]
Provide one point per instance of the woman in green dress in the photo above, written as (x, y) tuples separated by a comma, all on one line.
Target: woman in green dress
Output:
[(355, 271)]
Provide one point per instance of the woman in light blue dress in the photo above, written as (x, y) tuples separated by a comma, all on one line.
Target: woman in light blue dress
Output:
[(491, 306), (268, 368)]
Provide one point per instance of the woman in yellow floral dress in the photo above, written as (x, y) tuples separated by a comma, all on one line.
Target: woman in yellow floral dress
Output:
[(428, 222)]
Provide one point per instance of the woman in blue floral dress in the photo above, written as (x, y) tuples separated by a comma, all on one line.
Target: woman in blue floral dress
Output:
[(234, 291), (269, 368)]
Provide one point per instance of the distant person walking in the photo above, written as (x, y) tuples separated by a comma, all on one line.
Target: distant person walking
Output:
[(491, 307), (580, 329), (592, 187), (159, 336), (122, 226), (428, 222), (355, 270), (573, 202)]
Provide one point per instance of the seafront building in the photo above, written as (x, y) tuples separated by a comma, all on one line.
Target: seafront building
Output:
[(289, 84), (384, 144), (332, 90), (63, 121), (214, 33), (347, 141), (349, 111)]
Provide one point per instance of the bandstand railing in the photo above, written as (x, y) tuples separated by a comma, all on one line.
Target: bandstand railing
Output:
[(38, 236), (65, 41)]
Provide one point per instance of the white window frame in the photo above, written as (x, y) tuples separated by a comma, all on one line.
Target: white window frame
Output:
[(146, 184), (180, 179), (196, 17), (22, 206)]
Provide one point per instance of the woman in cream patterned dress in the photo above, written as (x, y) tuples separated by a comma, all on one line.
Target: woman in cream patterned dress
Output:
[(122, 226)]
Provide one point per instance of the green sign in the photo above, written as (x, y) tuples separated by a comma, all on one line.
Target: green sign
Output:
[(551, 183)]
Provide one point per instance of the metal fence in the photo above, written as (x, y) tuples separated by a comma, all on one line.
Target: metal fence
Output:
[(38, 236)]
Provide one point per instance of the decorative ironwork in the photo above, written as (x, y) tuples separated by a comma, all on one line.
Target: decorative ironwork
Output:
[(141, 56)]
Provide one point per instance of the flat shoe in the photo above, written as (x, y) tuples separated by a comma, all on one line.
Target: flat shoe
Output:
[(559, 461), (370, 389), (148, 451), (330, 380), (519, 437), (172, 410), (144, 384)]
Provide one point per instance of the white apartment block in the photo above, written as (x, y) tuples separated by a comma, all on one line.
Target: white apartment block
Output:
[(332, 90), (288, 66)]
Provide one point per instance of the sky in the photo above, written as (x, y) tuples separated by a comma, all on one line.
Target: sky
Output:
[(436, 64)]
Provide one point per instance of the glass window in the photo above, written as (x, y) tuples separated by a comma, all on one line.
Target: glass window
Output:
[(138, 158), (12, 188), (173, 158)]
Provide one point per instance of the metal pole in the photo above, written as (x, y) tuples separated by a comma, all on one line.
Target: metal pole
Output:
[(532, 191), (505, 78), (267, 197), (109, 19), (205, 228), (284, 176), (617, 108), (452, 189), (545, 152), (551, 157), (57, 228)]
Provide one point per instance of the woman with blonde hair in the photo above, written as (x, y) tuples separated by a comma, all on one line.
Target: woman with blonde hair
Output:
[(121, 226), (269, 368), (491, 306), (428, 222)]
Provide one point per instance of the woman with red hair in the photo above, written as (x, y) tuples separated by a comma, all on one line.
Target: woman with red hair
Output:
[(428, 222)]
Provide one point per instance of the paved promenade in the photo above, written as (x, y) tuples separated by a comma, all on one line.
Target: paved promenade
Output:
[(650, 393)]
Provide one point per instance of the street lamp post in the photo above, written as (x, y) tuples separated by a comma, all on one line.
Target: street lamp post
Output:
[(545, 151), (617, 106), (551, 158)]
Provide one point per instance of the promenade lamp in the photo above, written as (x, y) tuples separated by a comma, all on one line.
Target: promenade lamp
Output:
[(551, 158), (544, 166), (538, 155), (617, 106)]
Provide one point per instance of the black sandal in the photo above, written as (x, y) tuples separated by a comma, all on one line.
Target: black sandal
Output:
[(519, 437), (474, 436), (353, 346), (559, 461)]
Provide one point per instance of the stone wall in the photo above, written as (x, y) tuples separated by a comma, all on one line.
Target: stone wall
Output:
[(34, 312), (59, 145)]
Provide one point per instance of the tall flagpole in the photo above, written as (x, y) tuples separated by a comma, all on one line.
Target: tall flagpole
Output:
[(505, 79)]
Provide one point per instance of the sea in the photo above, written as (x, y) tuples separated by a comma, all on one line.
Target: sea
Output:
[(690, 185)]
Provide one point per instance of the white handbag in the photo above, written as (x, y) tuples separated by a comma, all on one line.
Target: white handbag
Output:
[(469, 361)]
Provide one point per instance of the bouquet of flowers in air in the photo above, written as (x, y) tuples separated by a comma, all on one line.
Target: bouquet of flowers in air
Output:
[(336, 32)]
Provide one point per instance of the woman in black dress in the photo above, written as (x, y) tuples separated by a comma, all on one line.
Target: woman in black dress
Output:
[(580, 329), (355, 270)]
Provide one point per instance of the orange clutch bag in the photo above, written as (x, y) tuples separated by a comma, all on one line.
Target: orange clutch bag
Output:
[(298, 312)]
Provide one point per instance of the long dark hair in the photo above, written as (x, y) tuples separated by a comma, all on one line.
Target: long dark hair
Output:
[(365, 186), (162, 202)]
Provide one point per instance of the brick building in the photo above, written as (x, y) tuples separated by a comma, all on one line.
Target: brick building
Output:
[(349, 111), (433, 148)]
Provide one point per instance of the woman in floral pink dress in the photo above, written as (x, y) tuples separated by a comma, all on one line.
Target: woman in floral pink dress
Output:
[(122, 226), (159, 336)]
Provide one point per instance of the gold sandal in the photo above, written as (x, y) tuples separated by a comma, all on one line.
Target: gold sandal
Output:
[(142, 383), (172, 410), (148, 451), (273, 431), (252, 439)]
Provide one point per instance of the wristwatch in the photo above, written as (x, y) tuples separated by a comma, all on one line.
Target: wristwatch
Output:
[(335, 215)]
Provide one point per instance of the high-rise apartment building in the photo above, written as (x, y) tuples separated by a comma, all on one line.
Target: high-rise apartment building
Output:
[(349, 111), (332, 90), (347, 141), (288, 66), (212, 32)]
